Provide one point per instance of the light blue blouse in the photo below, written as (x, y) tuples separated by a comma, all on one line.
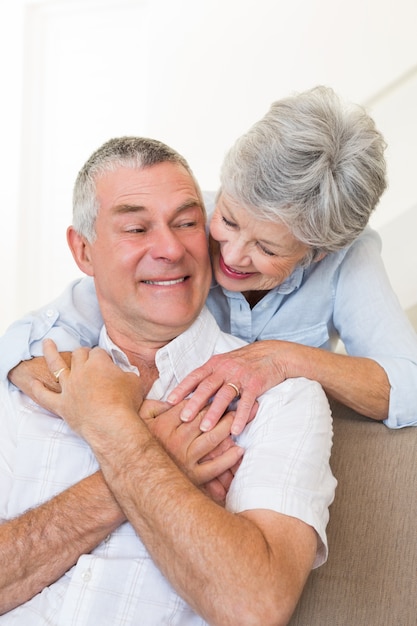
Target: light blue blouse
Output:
[(346, 295)]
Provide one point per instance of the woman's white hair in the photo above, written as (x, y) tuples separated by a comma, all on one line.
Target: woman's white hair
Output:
[(313, 163)]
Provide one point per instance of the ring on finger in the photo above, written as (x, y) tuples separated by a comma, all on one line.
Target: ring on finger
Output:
[(237, 391), (58, 373)]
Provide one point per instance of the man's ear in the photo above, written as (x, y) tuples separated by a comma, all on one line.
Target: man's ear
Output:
[(81, 251)]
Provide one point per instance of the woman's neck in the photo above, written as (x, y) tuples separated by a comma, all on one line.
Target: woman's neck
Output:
[(253, 297)]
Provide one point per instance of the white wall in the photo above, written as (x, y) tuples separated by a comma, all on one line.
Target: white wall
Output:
[(194, 73)]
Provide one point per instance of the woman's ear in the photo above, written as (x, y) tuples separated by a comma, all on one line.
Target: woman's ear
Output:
[(319, 257), (81, 251)]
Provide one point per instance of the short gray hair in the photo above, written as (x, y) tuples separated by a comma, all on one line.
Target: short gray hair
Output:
[(127, 152), (312, 162)]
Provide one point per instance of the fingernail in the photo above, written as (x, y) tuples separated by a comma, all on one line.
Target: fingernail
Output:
[(185, 415), (205, 426)]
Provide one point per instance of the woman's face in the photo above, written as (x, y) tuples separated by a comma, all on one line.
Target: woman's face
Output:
[(250, 254)]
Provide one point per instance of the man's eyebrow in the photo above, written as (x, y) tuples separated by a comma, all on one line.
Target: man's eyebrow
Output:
[(190, 204), (137, 208), (128, 208)]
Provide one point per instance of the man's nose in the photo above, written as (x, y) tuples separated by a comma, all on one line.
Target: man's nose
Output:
[(167, 245)]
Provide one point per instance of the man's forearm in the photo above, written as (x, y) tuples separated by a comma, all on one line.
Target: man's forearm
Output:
[(42, 544), (205, 551)]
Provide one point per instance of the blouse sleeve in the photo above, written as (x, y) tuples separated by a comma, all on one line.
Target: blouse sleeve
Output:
[(371, 323), (71, 320)]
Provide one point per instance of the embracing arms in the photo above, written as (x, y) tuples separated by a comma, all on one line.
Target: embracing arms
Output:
[(378, 376), (205, 551), (358, 382)]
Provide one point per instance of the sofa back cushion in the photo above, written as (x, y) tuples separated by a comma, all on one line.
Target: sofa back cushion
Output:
[(370, 578)]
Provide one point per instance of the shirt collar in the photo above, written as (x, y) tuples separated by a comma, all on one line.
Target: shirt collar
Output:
[(117, 355), (192, 348), (180, 356), (292, 282)]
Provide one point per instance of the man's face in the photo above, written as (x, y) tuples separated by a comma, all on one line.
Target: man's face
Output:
[(150, 258)]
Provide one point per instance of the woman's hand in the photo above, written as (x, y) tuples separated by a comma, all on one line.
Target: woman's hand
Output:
[(26, 373), (253, 369)]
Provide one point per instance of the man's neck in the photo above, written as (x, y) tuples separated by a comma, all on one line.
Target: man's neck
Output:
[(139, 350), (146, 365)]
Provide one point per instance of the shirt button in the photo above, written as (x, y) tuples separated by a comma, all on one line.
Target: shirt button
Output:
[(50, 313), (86, 575)]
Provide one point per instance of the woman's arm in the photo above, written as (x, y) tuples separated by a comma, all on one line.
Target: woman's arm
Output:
[(377, 377), (71, 320), (372, 324), (357, 382), (381, 367)]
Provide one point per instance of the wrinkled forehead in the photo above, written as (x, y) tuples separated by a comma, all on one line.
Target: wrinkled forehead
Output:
[(165, 182)]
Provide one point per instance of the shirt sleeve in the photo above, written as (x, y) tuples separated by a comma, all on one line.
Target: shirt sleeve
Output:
[(286, 465), (371, 323), (72, 320), (8, 424)]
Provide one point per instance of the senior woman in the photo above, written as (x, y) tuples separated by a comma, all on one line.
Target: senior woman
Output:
[(296, 268)]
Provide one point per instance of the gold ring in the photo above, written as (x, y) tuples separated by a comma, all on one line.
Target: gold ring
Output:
[(58, 373), (237, 392)]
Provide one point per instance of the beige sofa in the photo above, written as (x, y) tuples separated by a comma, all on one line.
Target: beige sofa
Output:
[(370, 578)]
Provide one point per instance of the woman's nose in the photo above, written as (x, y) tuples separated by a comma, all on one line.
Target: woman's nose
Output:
[(235, 253)]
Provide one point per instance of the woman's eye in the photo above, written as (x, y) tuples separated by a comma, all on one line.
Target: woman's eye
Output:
[(228, 222), (265, 250)]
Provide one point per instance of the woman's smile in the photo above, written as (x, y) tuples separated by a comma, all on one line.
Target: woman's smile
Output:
[(232, 273)]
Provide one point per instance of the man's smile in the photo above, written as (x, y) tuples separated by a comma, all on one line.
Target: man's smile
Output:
[(175, 281)]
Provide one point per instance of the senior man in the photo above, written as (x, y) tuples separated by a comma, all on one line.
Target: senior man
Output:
[(152, 547)]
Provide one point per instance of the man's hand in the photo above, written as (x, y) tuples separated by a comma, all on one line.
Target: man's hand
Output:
[(96, 391), (93, 392)]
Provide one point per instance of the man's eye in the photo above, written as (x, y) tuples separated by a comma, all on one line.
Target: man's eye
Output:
[(135, 229), (189, 224)]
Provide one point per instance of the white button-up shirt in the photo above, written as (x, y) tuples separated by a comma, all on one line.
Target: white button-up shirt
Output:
[(285, 468)]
